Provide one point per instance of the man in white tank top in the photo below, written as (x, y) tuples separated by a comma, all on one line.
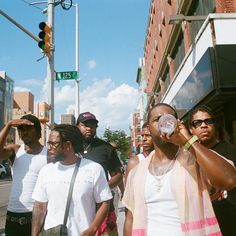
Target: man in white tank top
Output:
[(167, 193), (27, 159)]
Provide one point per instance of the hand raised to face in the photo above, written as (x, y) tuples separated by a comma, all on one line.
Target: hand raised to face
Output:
[(180, 136), (21, 122)]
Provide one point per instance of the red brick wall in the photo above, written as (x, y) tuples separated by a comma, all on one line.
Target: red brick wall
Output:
[(225, 6), (157, 36)]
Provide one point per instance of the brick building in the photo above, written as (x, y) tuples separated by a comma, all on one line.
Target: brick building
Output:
[(189, 57), (24, 101)]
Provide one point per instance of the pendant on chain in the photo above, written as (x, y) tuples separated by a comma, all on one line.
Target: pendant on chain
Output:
[(158, 185)]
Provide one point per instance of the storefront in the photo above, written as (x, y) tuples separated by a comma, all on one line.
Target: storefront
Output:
[(208, 75)]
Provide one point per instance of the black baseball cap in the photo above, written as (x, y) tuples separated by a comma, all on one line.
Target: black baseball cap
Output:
[(86, 116)]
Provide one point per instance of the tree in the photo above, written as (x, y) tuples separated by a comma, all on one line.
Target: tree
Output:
[(121, 139)]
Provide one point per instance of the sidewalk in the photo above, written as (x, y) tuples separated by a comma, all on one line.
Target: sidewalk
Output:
[(3, 210)]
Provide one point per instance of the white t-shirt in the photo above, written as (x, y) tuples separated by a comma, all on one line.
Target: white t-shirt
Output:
[(162, 211), (90, 187), (25, 170)]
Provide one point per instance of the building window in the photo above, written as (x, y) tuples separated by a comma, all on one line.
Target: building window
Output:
[(1, 96), (197, 85), (165, 83), (200, 7), (179, 52)]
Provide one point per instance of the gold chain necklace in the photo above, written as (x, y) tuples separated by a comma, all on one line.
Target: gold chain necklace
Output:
[(159, 179)]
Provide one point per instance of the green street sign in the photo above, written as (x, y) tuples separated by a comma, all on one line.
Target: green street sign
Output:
[(66, 75)]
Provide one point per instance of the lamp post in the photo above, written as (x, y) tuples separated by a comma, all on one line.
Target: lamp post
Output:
[(50, 65), (77, 98)]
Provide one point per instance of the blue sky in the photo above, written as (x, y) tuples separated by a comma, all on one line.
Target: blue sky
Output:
[(111, 41)]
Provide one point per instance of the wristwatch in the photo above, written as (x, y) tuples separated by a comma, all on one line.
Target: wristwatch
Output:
[(190, 142)]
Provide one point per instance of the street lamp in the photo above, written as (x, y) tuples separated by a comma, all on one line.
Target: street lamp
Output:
[(177, 19), (77, 98)]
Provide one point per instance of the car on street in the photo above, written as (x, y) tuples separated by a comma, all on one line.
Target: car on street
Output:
[(7, 166), (3, 171)]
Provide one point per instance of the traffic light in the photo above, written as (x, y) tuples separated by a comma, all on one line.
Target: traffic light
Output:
[(46, 36)]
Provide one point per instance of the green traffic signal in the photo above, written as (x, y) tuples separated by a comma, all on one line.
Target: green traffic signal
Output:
[(45, 36)]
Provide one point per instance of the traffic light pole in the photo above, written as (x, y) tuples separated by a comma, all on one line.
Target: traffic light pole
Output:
[(50, 67), (77, 97), (19, 26)]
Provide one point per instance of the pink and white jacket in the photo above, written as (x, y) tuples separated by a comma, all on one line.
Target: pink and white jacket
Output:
[(190, 188)]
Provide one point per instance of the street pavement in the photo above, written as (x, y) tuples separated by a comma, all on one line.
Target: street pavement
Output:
[(3, 210)]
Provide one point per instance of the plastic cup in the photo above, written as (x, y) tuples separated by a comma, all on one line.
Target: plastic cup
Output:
[(167, 124)]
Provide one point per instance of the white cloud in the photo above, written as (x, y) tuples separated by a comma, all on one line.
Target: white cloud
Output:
[(65, 94), (21, 89), (113, 106), (32, 82), (92, 64)]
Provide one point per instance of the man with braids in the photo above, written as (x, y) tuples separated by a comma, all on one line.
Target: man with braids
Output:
[(27, 160), (52, 187)]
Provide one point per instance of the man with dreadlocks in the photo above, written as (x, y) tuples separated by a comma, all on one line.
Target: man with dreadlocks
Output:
[(52, 187), (27, 159)]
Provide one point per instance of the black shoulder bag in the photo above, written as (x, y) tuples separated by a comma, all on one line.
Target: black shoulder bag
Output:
[(61, 230)]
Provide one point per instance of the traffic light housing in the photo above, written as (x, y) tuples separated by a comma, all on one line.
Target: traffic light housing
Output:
[(46, 36)]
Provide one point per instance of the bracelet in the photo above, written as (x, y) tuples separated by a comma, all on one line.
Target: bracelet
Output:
[(190, 142)]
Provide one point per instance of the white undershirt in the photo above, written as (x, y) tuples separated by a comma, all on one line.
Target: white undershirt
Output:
[(162, 211)]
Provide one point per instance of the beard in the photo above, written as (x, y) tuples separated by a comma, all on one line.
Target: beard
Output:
[(158, 141), (57, 157)]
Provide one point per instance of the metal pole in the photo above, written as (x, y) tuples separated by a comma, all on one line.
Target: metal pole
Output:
[(50, 66), (19, 26), (77, 98)]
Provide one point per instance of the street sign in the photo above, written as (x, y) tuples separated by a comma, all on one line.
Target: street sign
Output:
[(66, 75)]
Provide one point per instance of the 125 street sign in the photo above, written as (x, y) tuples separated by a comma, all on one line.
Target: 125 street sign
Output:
[(66, 75)]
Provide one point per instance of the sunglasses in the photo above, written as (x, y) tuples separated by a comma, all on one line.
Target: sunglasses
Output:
[(198, 123)]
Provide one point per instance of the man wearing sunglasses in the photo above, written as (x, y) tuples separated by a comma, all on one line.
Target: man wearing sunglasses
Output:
[(202, 123)]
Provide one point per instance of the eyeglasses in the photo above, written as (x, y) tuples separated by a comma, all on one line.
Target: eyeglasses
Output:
[(53, 144), (198, 123)]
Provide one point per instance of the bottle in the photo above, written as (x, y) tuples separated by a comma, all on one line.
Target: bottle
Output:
[(167, 124)]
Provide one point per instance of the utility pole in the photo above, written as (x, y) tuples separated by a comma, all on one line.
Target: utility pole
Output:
[(50, 67), (77, 96)]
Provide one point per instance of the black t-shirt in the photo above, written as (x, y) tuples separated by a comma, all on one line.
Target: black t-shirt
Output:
[(227, 150), (225, 210), (103, 153)]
